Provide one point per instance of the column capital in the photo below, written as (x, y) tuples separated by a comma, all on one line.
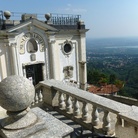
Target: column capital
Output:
[(13, 44), (82, 62), (51, 41)]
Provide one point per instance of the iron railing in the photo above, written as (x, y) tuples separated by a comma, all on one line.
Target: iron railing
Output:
[(55, 19)]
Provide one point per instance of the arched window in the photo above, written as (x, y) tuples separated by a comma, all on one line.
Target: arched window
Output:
[(32, 46)]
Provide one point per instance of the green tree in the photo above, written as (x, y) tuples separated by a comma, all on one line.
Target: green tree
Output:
[(112, 78)]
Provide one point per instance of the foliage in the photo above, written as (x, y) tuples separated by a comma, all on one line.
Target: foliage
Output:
[(117, 59), (125, 78), (96, 77)]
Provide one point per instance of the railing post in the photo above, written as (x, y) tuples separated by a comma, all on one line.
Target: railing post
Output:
[(85, 111), (61, 101), (76, 106), (50, 96), (40, 96), (95, 116), (106, 122), (68, 104)]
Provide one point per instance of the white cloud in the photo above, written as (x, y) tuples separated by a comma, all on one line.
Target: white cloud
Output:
[(79, 10), (70, 9)]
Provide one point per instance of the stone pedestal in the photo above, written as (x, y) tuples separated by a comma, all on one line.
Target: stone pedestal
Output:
[(46, 126)]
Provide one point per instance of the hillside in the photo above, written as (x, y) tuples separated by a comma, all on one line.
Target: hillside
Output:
[(118, 57)]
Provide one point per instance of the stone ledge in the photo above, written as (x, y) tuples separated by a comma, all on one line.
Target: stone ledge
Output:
[(47, 126)]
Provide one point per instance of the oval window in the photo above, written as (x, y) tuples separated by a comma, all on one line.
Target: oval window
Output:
[(67, 48), (32, 46)]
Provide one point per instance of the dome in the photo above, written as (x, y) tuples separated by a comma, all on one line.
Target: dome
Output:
[(16, 93)]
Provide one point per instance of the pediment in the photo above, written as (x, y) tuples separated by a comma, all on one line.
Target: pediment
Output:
[(32, 22)]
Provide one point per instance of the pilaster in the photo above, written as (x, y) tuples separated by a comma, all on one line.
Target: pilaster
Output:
[(82, 61), (83, 75), (14, 61), (53, 57)]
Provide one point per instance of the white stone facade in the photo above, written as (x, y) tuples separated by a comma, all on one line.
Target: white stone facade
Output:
[(40, 51)]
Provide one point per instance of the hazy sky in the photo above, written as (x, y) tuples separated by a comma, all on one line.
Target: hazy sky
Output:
[(104, 18)]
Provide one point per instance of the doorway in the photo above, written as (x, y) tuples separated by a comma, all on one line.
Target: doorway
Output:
[(34, 73)]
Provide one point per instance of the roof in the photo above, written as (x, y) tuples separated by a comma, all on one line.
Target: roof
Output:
[(106, 89), (34, 22)]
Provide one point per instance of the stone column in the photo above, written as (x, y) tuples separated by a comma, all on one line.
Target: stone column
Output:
[(82, 46), (14, 61), (82, 61), (3, 62), (52, 59), (83, 75)]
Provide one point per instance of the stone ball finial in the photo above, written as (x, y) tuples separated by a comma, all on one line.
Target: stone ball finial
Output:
[(16, 93), (48, 16), (7, 14), (81, 22)]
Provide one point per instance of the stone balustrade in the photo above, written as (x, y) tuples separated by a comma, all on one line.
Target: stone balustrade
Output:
[(99, 114), (38, 99)]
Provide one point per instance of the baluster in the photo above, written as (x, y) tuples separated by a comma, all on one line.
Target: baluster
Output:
[(36, 97), (40, 96), (76, 108), (61, 101), (119, 121), (68, 104), (85, 112), (95, 116), (106, 121)]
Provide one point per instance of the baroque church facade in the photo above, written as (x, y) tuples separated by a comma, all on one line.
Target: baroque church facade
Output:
[(54, 48)]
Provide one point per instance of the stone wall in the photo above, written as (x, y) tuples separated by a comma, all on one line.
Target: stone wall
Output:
[(123, 99)]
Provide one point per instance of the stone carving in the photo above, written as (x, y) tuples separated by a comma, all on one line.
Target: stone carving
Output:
[(68, 72)]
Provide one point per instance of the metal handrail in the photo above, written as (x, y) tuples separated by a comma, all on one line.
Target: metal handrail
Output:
[(55, 18)]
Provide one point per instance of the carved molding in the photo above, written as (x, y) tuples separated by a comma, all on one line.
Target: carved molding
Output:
[(82, 63), (67, 48), (13, 44), (32, 63)]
